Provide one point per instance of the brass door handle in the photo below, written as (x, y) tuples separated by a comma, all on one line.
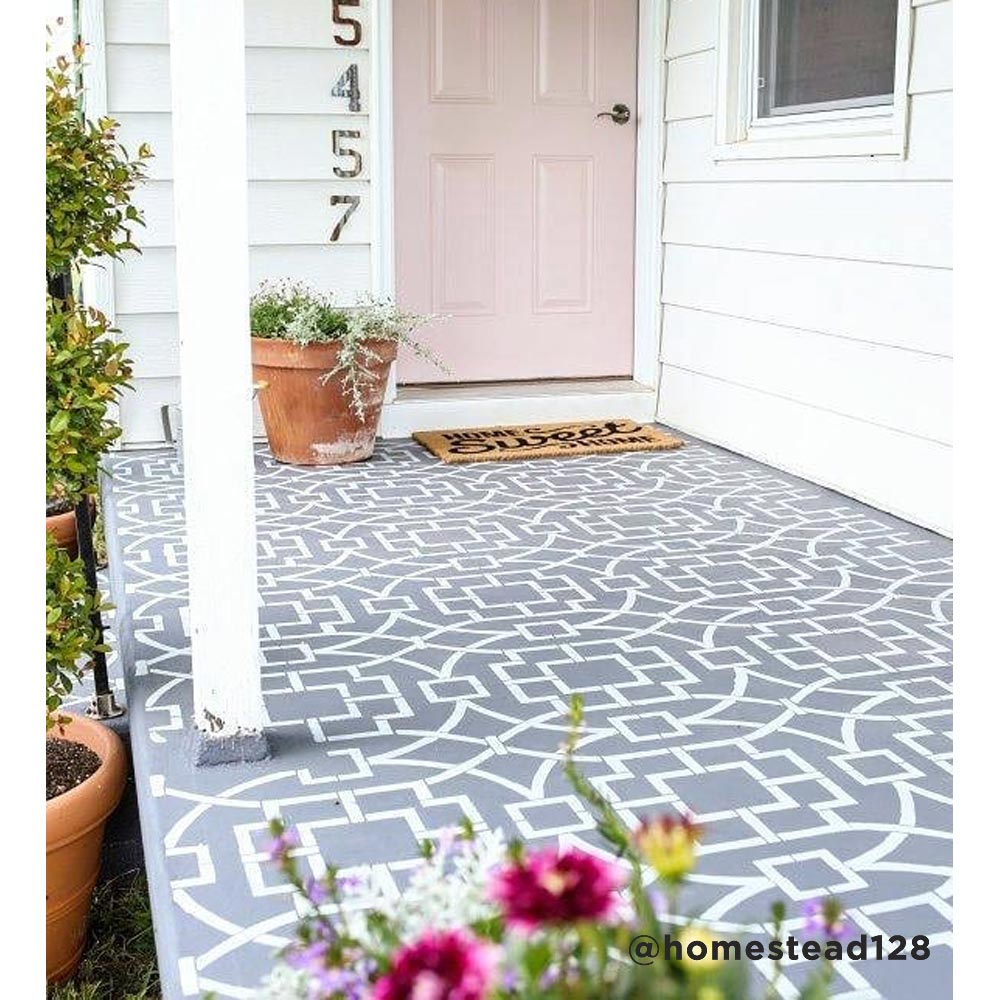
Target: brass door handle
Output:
[(619, 114)]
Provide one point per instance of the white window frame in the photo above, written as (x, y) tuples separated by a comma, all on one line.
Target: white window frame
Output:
[(877, 130)]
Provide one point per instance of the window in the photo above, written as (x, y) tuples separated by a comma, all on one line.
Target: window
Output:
[(816, 55), (812, 77)]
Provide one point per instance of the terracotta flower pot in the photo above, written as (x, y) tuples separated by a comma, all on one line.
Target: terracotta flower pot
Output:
[(74, 829), (310, 421), (63, 528)]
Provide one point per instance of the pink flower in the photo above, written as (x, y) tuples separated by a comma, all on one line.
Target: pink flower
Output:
[(557, 887), (441, 965)]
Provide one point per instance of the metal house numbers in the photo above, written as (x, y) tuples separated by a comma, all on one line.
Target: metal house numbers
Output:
[(347, 86), (350, 23), (348, 33)]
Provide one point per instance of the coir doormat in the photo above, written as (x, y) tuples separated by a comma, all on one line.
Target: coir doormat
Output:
[(588, 437)]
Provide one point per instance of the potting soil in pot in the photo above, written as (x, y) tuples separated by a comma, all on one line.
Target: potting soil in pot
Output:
[(67, 764)]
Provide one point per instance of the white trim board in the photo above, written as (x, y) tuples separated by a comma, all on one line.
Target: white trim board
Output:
[(98, 279), (437, 407)]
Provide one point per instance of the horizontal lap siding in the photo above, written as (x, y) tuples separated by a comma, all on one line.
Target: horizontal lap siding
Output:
[(891, 304), (690, 143), (869, 221), (291, 66), (146, 303), (807, 302), (896, 388), (278, 23)]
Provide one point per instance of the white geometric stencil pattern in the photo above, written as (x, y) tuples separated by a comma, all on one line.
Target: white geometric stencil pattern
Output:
[(763, 652)]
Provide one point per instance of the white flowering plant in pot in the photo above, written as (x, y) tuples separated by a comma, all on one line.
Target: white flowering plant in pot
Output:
[(321, 369)]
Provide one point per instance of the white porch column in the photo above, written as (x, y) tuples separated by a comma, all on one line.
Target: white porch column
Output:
[(208, 101)]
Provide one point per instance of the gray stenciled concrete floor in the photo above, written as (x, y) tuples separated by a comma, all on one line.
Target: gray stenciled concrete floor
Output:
[(754, 648)]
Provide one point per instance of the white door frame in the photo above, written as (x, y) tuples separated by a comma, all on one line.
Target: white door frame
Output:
[(535, 402)]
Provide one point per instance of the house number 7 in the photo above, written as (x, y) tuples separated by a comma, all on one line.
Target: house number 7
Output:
[(351, 201), (346, 22)]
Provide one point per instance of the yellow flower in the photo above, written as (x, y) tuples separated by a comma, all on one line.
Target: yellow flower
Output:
[(667, 844), (700, 960), (709, 993)]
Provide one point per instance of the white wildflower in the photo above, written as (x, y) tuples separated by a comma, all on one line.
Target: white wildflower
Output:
[(448, 890), (284, 983)]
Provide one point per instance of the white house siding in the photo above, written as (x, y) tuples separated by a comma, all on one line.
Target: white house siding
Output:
[(806, 302), (292, 63)]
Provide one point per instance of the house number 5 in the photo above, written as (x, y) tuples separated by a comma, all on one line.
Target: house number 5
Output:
[(342, 149), (346, 22)]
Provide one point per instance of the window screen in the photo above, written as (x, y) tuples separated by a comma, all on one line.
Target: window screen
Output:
[(818, 55)]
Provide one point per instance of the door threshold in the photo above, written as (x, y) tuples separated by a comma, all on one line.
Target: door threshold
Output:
[(519, 390), (485, 404)]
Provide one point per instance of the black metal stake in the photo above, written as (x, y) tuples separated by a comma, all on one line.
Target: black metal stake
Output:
[(104, 705)]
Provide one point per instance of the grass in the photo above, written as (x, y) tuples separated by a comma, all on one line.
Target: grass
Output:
[(119, 962)]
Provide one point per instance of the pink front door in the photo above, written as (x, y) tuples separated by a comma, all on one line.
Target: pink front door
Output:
[(514, 203)]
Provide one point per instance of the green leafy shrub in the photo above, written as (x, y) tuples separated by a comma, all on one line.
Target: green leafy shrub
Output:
[(89, 182), (69, 635), (85, 371), (294, 312), (89, 176)]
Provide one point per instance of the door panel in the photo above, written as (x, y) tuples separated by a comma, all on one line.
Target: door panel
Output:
[(514, 203), (463, 253), (463, 48), (563, 252), (565, 51)]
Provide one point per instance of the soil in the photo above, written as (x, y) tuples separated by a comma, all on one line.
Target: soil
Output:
[(57, 506), (67, 764)]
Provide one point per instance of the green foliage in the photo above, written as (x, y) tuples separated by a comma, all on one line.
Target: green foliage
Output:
[(288, 310), (119, 962), (69, 635), (89, 177), (296, 313), (85, 370), (89, 181)]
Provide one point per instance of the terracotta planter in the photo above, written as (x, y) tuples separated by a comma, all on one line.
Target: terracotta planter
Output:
[(74, 829), (309, 421), (63, 528)]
